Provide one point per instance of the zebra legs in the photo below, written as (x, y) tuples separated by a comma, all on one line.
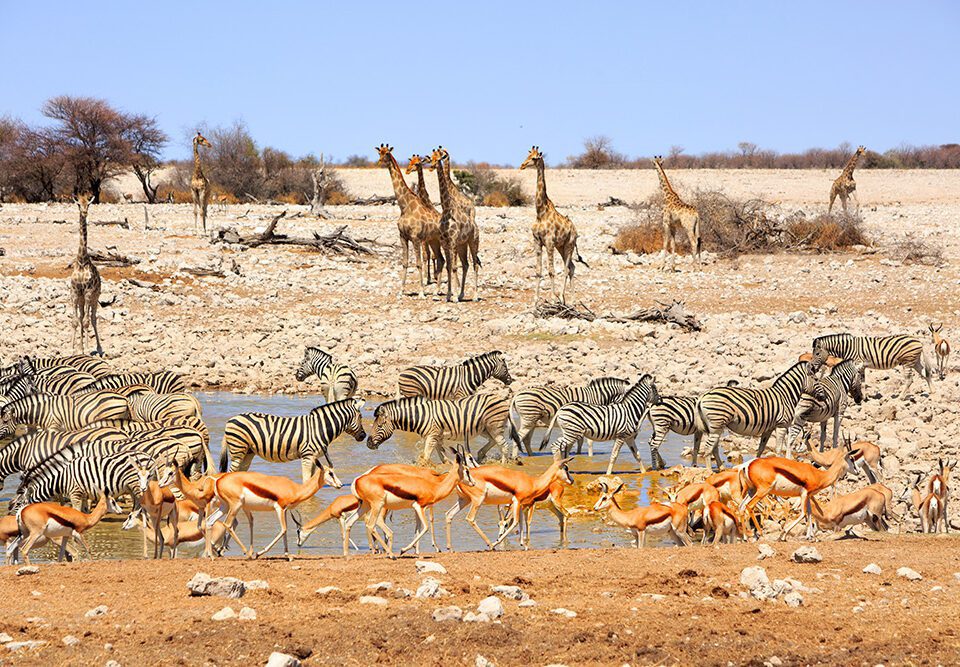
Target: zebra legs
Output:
[(615, 452)]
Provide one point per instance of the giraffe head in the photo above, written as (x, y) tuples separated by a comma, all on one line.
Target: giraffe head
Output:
[(438, 155), (535, 157), (658, 161), (200, 140), (861, 150), (385, 152), (416, 161), (83, 203)]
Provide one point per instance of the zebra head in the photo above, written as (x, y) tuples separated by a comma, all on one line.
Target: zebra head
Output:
[(8, 420), (606, 499), (856, 382), (644, 392), (25, 366), (314, 361), (500, 370), (383, 425), (355, 426)]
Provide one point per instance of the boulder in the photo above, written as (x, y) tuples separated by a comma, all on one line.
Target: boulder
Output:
[(806, 554), (278, 659), (228, 587), (441, 614), (491, 606)]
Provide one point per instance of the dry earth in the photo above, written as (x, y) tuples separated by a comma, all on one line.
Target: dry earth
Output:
[(651, 607)]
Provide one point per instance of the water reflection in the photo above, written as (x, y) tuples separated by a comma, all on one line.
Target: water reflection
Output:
[(351, 458)]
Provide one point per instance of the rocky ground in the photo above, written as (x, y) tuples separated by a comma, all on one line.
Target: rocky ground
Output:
[(880, 601)]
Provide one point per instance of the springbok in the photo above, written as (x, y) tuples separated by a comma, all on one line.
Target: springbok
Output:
[(201, 494), (786, 478), (697, 496), (941, 349), (383, 491), (866, 453), (189, 534), (256, 492), (723, 522), (340, 509), (669, 518), (727, 482), (865, 506), (928, 506), (54, 522), (939, 486)]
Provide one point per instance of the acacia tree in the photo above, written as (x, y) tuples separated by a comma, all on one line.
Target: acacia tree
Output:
[(146, 144)]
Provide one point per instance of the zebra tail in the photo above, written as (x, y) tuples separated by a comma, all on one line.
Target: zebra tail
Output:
[(699, 421), (209, 464), (546, 434), (512, 432), (224, 456)]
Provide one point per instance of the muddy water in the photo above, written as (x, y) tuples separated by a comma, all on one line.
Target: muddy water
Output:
[(351, 458)]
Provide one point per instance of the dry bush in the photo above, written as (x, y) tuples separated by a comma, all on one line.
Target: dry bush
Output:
[(291, 198), (598, 153), (337, 198), (167, 193), (498, 199), (480, 181), (733, 226), (109, 197), (912, 250)]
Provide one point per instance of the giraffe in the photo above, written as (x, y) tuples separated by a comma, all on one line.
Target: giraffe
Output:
[(431, 242), (459, 234), (84, 284), (199, 184), (676, 213), (414, 216), (845, 186), (553, 230)]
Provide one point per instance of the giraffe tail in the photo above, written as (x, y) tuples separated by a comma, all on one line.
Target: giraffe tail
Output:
[(580, 259)]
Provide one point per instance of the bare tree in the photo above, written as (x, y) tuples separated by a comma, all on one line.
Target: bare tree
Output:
[(598, 153), (146, 144)]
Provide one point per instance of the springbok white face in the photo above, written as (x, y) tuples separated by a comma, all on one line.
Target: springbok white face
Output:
[(330, 478), (113, 507), (606, 497), (143, 477), (134, 518)]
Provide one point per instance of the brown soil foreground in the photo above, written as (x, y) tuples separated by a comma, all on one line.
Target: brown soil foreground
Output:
[(853, 618)]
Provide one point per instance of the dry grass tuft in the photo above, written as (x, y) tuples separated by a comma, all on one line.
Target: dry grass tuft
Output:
[(912, 250), (498, 199), (167, 193), (337, 198)]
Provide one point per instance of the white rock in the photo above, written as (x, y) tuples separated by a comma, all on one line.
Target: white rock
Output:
[(510, 592), (441, 614), (907, 573), (27, 569), (278, 659), (430, 588), (427, 567), (4, 638), (480, 661), (560, 611), (754, 577), (872, 568), (247, 614), (256, 585), (373, 599), (380, 586), (793, 599), (203, 584), (766, 551), (806, 554), (491, 606), (224, 614), (775, 661), (528, 603), (471, 617), (29, 645), (70, 640), (111, 663), (327, 590), (99, 610)]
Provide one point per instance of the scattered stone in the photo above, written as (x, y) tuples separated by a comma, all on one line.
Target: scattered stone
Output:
[(560, 611), (528, 603), (857, 610), (907, 573), (402, 593), (753, 577), (29, 645), (654, 597), (428, 567), (483, 662), (510, 592), (793, 599), (430, 588), (247, 614), (224, 614), (278, 659), (327, 590), (380, 587), (97, 611), (807, 554), (872, 568), (936, 589), (228, 587), (491, 606), (441, 614), (111, 663), (373, 599), (471, 617), (4, 638), (766, 551), (256, 585), (70, 640), (775, 661), (27, 569), (108, 647)]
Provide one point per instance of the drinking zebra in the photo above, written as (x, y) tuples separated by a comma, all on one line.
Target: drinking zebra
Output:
[(151, 407), (453, 382), (337, 381), (619, 422), (480, 414), (537, 406), (880, 352), (29, 450), (61, 380), (278, 439), (748, 411), (162, 382), (826, 399), (65, 413), (81, 362)]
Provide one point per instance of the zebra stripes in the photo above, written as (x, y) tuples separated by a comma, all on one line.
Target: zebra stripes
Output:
[(337, 381), (880, 352), (29, 450), (537, 405), (151, 407), (60, 380), (65, 413), (747, 411), (827, 398), (453, 382), (277, 439), (162, 382), (480, 414), (673, 414), (81, 362), (618, 421)]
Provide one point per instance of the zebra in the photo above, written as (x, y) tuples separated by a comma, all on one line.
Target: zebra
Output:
[(83, 477), (537, 405), (29, 450), (676, 414), (81, 362), (59, 380), (748, 411), (619, 422), (337, 381), (162, 382), (880, 352), (151, 407), (65, 413), (189, 431), (277, 439), (128, 426), (479, 414), (826, 399), (453, 382)]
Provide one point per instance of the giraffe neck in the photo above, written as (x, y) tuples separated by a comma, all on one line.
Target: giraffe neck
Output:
[(421, 183), (197, 168), (82, 249), (542, 199), (443, 177), (851, 165), (404, 194), (668, 192)]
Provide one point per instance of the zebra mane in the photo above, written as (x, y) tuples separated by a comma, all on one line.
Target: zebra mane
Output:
[(482, 357), (788, 374)]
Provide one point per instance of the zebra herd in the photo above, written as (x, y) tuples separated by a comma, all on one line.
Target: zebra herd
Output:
[(91, 431)]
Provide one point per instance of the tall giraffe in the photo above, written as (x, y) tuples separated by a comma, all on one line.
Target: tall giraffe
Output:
[(414, 216), (676, 213), (459, 234), (84, 284), (431, 232), (199, 184), (845, 186), (553, 231)]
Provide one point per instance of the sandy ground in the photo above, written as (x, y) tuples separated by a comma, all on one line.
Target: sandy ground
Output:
[(704, 616)]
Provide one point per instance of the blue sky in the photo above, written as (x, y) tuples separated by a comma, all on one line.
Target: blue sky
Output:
[(488, 79)]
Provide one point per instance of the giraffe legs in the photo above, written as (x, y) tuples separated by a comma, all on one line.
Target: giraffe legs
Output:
[(77, 321), (91, 299), (475, 254), (536, 296), (416, 255), (464, 266), (551, 271), (405, 263), (204, 202)]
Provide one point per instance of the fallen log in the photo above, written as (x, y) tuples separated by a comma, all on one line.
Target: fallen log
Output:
[(564, 311), (110, 257), (338, 241), (374, 200), (674, 312)]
